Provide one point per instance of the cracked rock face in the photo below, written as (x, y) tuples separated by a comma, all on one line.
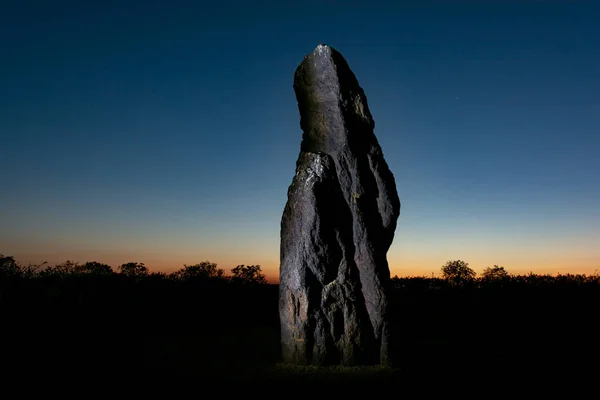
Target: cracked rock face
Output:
[(337, 225)]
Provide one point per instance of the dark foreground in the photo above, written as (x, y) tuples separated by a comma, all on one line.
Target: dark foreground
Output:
[(447, 338)]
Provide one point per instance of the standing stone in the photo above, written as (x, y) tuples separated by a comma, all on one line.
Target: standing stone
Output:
[(337, 225)]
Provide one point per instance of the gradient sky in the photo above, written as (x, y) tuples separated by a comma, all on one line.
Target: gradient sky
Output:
[(166, 132)]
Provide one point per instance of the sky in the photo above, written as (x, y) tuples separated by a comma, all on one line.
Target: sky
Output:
[(167, 132)]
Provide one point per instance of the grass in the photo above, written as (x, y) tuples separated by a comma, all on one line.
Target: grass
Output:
[(333, 374), (331, 370)]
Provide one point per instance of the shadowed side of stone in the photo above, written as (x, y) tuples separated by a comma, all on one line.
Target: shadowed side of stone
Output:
[(338, 127)]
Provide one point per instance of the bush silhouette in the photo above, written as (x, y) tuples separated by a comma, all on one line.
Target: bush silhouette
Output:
[(494, 273), (63, 270), (133, 270), (95, 268), (248, 274), (204, 270)]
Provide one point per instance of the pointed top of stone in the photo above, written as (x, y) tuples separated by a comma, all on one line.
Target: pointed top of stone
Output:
[(322, 49)]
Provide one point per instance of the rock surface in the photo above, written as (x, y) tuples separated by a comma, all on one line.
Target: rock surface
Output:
[(337, 225)]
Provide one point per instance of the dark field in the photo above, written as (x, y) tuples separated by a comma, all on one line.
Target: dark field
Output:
[(531, 330)]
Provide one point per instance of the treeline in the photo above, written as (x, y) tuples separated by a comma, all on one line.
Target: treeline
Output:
[(72, 318), (206, 290), (457, 274), (94, 294), (206, 270)]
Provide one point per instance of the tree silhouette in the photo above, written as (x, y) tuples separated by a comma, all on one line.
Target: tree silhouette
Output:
[(248, 274), (62, 270), (133, 270), (9, 267), (458, 272), (493, 273), (203, 270), (95, 268)]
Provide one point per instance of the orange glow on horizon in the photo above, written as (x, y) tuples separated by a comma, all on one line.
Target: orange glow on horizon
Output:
[(424, 267)]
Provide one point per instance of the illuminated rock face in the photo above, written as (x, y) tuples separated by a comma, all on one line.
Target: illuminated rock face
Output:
[(337, 225)]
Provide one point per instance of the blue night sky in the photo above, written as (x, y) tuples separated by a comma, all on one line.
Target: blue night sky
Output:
[(166, 132)]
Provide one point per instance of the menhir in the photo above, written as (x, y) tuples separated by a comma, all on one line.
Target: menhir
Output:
[(337, 225)]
